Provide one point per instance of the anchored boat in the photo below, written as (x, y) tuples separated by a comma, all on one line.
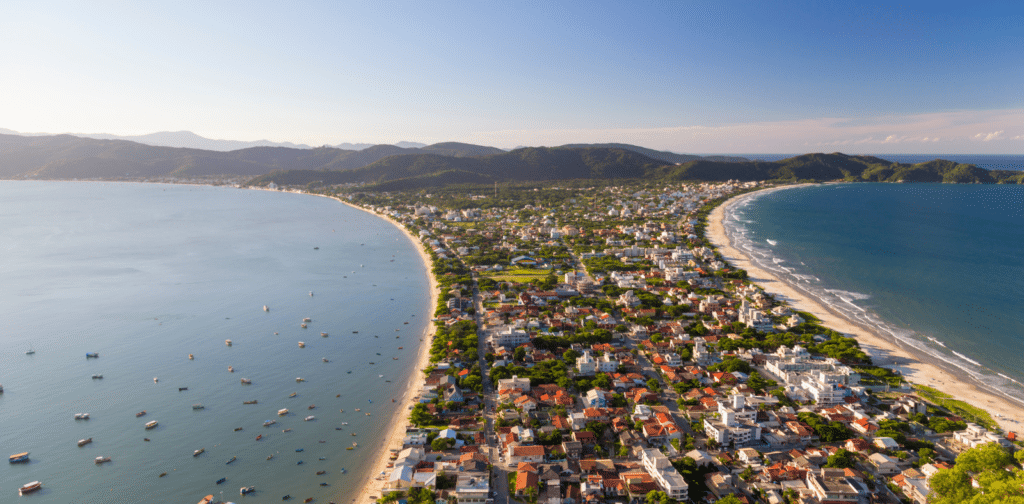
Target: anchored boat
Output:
[(18, 457)]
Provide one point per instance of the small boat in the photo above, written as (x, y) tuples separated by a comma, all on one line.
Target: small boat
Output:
[(265, 308), (286, 430), (307, 319), (151, 425), (311, 406), (400, 348), (231, 369), (100, 460), (163, 474), (237, 429), (268, 423), (293, 394), (308, 499), (254, 401), (394, 358), (355, 332), (83, 442), (323, 335), (343, 470), (146, 439), (323, 359), (206, 500), (406, 323), (350, 372), (298, 463), (355, 444), (300, 380), (380, 376), (155, 379), (30, 487), (2, 385), (246, 381), (180, 389), (321, 473), (344, 423), (222, 480), (269, 457), (90, 355), (282, 412), (190, 357), (300, 450), (310, 417), (199, 452), (303, 325), (232, 459), (349, 448), (97, 377), (81, 416), (30, 351), (357, 409), (246, 490), (302, 344), (198, 406), (227, 342), (373, 363), (286, 497), (18, 457), (141, 413)]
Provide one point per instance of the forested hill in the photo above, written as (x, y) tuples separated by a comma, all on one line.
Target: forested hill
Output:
[(668, 157)]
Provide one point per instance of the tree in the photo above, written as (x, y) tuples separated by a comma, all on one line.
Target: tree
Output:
[(985, 465), (519, 354), (442, 444), (421, 415), (729, 499), (841, 459)]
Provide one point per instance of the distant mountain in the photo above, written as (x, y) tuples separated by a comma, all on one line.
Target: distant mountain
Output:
[(668, 157), (409, 145)]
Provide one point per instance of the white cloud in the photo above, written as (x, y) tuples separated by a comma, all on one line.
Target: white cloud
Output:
[(987, 137)]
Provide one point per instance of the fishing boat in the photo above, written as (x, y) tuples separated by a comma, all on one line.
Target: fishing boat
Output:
[(343, 470), (310, 417), (190, 357), (293, 394), (181, 389), (199, 452), (254, 401), (286, 430), (141, 413), (259, 437), (268, 423), (357, 409), (282, 412), (307, 319), (100, 460), (400, 348), (323, 359), (269, 457), (303, 325), (155, 379), (321, 473), (355, 444), (90, 355), (2, 385), (300, 450), (300, 380), (311, 406), (227, 342), (81, 416), (246, 490), (308, 499), (18, 457), (355, 332), (198, 406), (222, 480), (230, 460), (151, 424), (323, 335), (265, 308), (83, 442), (30, 351), (206, 500), (30, 487), (237, 429), (302, 344), (97, 377), (231, 369), (246, 381)]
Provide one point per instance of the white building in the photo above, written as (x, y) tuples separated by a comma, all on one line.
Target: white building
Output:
[(736, 423), (660, 468), (509, 336), (586, 365), (514, 383)]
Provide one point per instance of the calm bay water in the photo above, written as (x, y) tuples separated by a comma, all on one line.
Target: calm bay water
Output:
[(147, 274), (936, 266)]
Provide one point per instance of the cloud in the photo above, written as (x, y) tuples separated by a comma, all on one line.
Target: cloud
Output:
[(989, 136)]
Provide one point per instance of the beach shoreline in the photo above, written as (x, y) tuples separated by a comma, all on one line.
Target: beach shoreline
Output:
[(885, 352), (395, 433)]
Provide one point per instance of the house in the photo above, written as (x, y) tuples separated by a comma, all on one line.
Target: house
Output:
[(453, 394), (472, 487), (519, 453), (884, 464), (834, 486)]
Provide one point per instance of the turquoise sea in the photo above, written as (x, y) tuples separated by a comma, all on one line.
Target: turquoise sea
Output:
[(936, 267), (145, 275)]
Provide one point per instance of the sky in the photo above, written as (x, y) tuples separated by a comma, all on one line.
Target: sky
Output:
[(687, 76)]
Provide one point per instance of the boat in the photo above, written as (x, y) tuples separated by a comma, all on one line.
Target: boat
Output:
[(190, 357), (357, 409), (30, 487), (302, 344), (97, 377), (300, 450), (206, 500), (100, 460), (90, 355), (282, 412), (151, 425), (355, 444), (198, 406), (182, 389), (81, 416), (308, 499), (155, 379), (231, 369), (146, 439), (323, 359), (349, 448), (268, 423), (237, 429), (355, 332), (246, 490), (141, 413), (321, 473), (246, 381), (269, 457), (227, 342), (293, 394), (2, 385), (230, 460), (299, 463), (350, 372), (163, 474), (311, 406), (18, 457), (400, 348), (343, 470), (199, 452), (30, 351), (307, 319), (344, 423), (323, 335), (254, 401), (222, 480), (303, 325), (286, 430), (310, 417), (300, 380), (394, 358), (83, 442), (259, 437), (286, 497), (265, 308)]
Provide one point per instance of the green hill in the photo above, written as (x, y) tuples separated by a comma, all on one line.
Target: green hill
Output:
[(668, 157)]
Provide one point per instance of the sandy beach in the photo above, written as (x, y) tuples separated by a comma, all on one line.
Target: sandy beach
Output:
[(377, 454), (882, 350)]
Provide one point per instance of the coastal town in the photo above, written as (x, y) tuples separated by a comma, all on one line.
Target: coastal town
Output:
[(593, 345)]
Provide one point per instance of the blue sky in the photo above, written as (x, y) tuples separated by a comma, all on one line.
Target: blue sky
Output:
[(703, 77)]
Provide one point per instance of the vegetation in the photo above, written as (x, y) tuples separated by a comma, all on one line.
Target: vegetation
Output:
[(997, 474), (959, 408)]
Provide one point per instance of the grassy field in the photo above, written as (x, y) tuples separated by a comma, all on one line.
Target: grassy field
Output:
[(959, 408), (517, 275)]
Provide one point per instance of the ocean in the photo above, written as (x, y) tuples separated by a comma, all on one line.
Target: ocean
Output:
[(1013, 162), (145, 275), (936, 267)]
